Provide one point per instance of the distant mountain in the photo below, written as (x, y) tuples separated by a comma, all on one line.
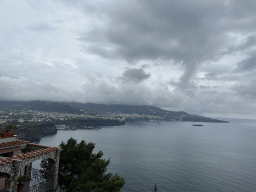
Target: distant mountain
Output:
[(74, 107), (126, 109), (47, 106), (144, 110)]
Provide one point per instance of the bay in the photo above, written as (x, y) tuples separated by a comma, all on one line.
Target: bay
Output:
[(175, 156)]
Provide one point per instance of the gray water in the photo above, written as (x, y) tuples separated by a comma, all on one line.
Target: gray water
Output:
[(175, 156)]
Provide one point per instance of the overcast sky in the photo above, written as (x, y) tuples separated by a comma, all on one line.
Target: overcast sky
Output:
[(192, 55)]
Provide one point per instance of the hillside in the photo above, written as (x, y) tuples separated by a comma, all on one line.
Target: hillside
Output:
[(75, 108), (47, 106), (144, 110)]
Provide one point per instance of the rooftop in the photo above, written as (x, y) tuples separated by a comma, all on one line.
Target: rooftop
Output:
[(8, 139)]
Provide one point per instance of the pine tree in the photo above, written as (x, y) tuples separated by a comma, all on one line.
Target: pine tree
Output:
[(82, 170)]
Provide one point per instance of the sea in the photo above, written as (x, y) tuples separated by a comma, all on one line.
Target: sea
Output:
[(176, 156)]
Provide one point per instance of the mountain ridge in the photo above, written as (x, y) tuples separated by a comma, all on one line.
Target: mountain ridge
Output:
[(78, 108)]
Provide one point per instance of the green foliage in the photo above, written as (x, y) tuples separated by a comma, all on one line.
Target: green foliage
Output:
[(22, 178), (10, 127), (31, 126), (82, 170)]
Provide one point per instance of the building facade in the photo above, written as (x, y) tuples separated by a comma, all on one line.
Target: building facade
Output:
[(17, 156)]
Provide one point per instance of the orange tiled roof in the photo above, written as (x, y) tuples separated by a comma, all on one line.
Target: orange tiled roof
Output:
[(7, 134), (46, 149), (8, 144)]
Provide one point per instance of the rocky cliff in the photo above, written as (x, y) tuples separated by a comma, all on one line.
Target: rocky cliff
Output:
[(47, 128), (29, 135), (33, 132)]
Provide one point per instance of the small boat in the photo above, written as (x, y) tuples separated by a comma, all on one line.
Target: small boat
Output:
[(198, 125)]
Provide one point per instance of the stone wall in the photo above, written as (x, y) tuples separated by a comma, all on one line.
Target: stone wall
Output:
[(13, 168)]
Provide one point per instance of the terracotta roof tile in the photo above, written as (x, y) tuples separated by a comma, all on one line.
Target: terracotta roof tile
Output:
[(34, 153), (5, 160), (15, 157), (26, 155), (12, 143), (30, 154), (44, 149), (21, 157)]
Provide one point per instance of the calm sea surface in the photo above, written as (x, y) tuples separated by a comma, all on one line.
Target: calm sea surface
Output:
[(175, 156)]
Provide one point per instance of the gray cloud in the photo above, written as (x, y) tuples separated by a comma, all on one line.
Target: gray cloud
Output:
[(187, 33), (247, 65), (134, 75), (197, 56), (246, 88), (246, 46), (42, 27), (24, 89)]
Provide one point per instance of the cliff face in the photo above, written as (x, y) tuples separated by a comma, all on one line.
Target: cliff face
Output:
[(29, 135), (34, 134), (47, 129)]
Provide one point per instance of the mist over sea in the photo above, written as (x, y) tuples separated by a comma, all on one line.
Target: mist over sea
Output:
[(175, 156)]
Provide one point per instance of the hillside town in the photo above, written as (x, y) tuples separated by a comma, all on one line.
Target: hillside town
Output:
[(39, 116)]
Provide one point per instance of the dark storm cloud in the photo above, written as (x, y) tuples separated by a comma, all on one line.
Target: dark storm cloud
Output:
[(240, 10), (199, 55), (134, 75), (159, 30), (184, 32)]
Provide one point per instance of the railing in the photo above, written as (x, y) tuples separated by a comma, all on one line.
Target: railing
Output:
[(38, 183)]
